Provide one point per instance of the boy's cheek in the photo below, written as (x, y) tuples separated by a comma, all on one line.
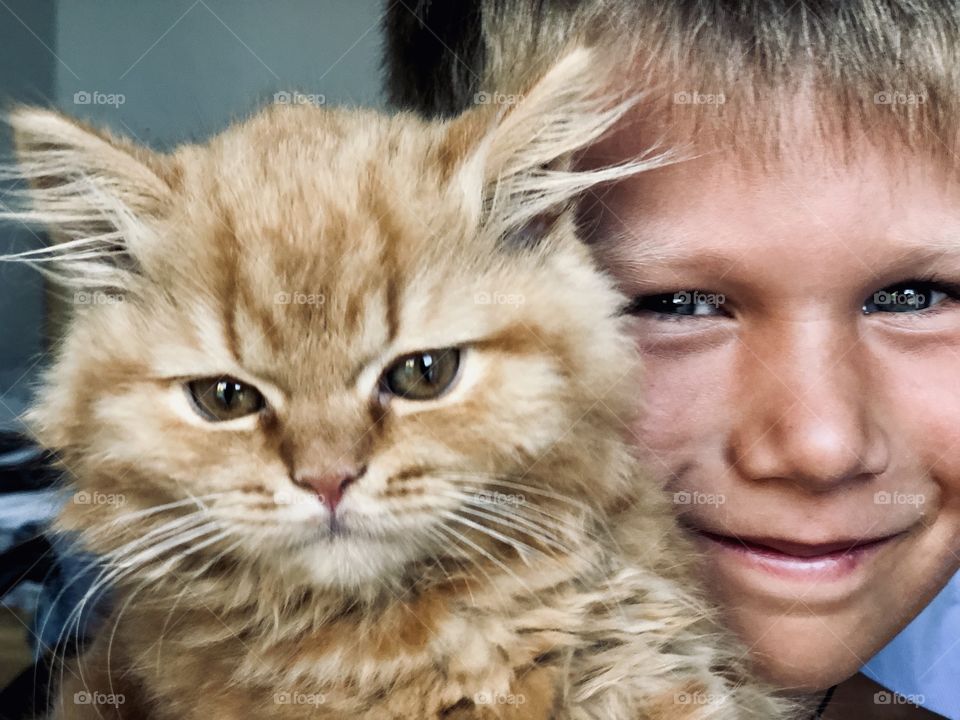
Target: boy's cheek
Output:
[(921, 415), (684, 408)]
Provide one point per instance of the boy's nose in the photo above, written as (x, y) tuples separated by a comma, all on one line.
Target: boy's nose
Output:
[(330, 486), (808, 414)]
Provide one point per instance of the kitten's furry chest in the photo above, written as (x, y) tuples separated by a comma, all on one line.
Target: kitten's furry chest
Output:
[(496, 654), (570, 639)]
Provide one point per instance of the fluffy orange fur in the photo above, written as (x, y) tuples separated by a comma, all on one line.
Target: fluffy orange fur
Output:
[(501, 555)]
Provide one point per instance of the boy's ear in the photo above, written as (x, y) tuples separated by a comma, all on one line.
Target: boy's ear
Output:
[(519, 156), (93, 192)]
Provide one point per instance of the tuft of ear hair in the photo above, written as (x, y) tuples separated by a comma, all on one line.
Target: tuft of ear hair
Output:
[(522, 168), (92, 192)]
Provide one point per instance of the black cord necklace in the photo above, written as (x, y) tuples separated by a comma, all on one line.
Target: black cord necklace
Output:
[(822, 708)]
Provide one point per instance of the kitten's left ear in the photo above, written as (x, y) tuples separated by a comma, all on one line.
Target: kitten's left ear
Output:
[(516, 150), (93, 192)]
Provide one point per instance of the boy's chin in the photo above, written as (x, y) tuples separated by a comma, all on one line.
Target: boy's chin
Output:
[(804, 681), (803, 656)]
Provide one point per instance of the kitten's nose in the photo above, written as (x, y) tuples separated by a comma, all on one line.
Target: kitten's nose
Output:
[(330, 486)]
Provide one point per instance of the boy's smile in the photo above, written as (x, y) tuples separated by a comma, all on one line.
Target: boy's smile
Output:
[(807, 417)]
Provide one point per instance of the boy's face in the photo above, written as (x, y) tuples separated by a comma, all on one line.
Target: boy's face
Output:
[(802, 396)]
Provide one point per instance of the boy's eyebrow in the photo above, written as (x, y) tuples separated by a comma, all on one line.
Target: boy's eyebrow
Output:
[(923, 243), (650, 244), (918, 255), (640, 241)]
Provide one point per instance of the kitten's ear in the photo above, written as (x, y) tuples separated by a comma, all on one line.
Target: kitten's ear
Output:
[(94, 193), (521, 164)]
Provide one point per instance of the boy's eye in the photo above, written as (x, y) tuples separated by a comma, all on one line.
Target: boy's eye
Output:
[(907, 297), (224, 398), (422, 376), (683, 302)]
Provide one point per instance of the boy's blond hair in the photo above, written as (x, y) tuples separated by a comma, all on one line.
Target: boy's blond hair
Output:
[(880, 68)]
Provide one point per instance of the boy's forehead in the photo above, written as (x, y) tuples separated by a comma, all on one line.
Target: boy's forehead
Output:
[(770, 126), (841, 194)]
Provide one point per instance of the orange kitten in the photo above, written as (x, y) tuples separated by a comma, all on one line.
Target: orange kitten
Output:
[(348, 397)]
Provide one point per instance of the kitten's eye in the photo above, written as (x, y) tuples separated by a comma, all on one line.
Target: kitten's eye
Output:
[(682, 302), (422, 376), (906, 297), (219, 399)]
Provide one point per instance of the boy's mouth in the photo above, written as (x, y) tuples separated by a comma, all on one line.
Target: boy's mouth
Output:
[(799, 550), (773, 565)]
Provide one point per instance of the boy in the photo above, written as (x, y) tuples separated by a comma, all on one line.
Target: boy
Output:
[(795, 283)]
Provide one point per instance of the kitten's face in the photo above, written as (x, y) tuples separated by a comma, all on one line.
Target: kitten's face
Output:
[(325, 348)]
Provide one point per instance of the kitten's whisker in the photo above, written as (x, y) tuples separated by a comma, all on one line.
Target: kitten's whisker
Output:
[(130, 517), (483, 552), (196, 499), (113, 632), (165, 528), (442, 539), (568, 521), (112, 573), (450, 535), (537, 536), (187, 588), (166, 623), (111, 570), (516, 544), (576, 549), (167, 565), (172, 562), (493, 480), (140, 560), (511, 520)]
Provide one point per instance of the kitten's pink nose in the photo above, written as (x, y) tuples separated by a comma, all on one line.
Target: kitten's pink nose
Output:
[(330, 486)]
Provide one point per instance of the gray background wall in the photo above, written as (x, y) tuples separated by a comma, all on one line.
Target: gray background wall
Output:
[(184, 69)]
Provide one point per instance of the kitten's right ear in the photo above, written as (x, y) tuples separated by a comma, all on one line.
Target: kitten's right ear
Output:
[(516, 162), (94, 193)]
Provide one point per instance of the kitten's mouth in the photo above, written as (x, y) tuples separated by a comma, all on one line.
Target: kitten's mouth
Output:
[(336, 527)]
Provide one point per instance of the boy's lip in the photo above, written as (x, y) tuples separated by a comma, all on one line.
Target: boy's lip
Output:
[(797, 548), (822, 570)]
